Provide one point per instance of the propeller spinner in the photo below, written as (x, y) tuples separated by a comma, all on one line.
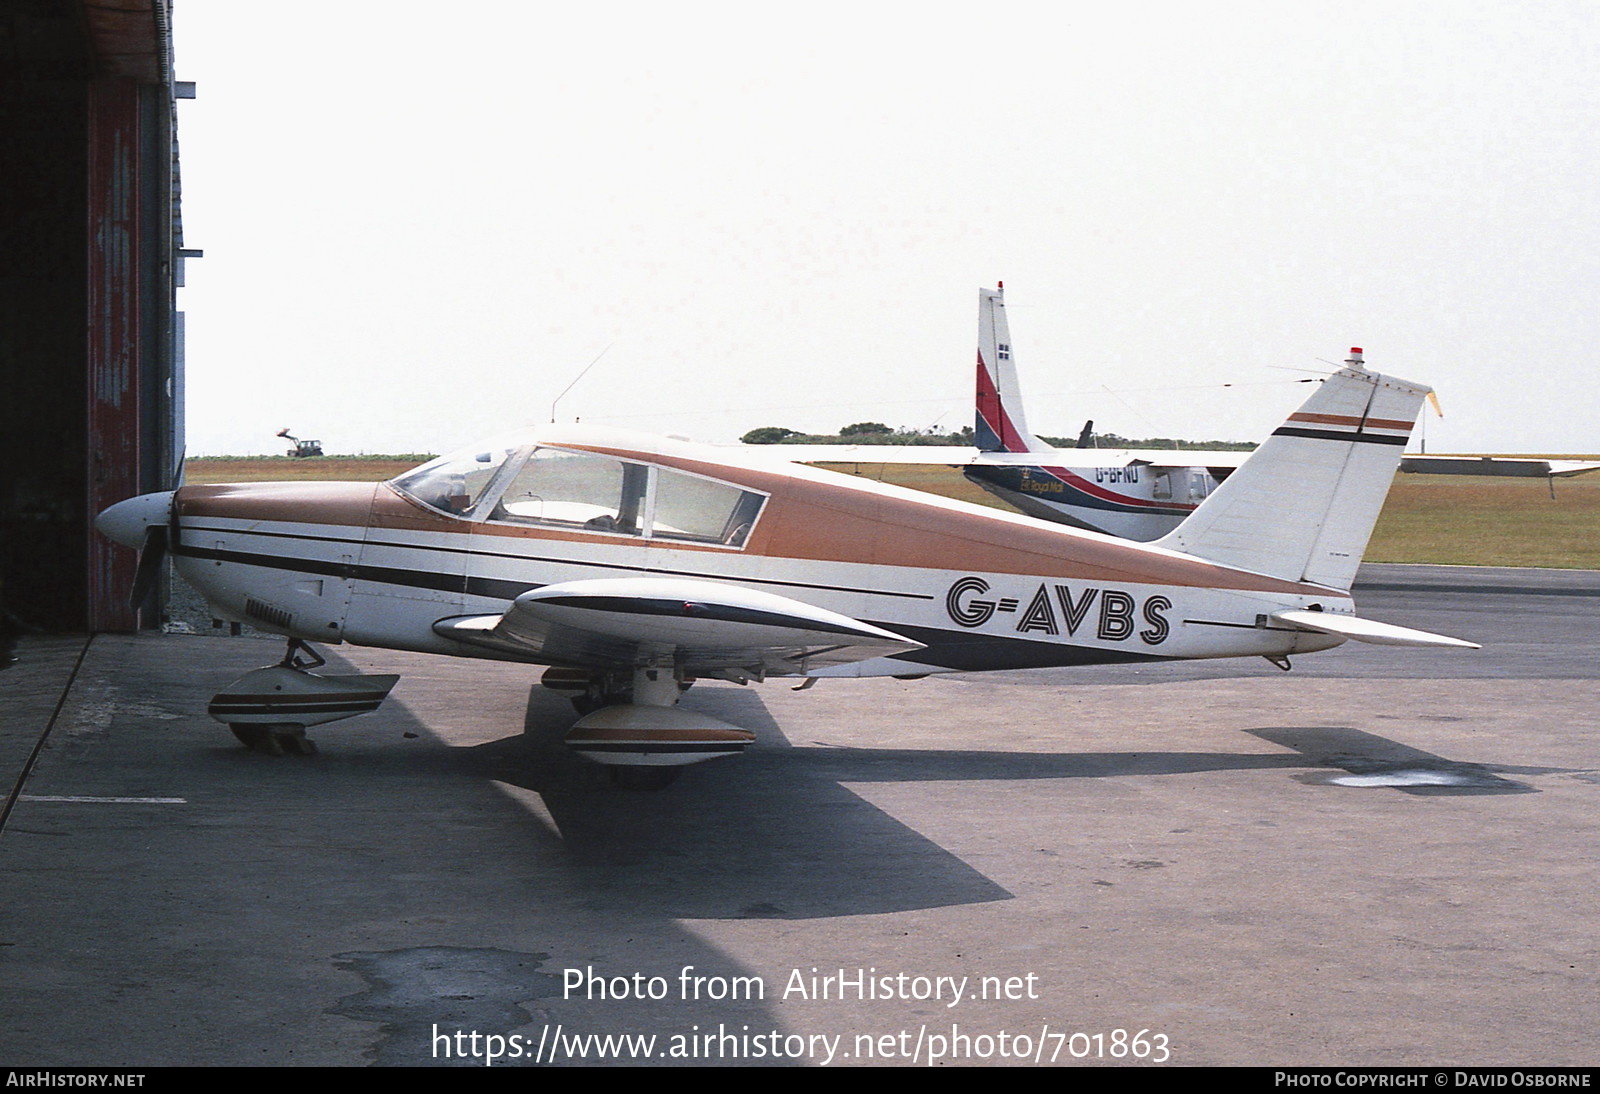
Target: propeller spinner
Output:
[(140, 522)]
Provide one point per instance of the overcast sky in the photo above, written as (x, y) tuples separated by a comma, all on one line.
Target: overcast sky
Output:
[(421, 222)]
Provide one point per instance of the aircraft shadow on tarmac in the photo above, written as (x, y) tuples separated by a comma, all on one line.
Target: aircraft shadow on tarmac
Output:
[(756, 837), (778, 833)]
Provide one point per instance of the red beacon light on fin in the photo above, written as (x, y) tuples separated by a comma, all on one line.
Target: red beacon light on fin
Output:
[(1355, 356)]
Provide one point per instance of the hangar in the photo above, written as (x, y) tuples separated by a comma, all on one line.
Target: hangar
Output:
[(91, 256)]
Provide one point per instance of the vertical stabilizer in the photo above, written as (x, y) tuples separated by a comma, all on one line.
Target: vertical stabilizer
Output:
[(1303, 505), (999, 425)]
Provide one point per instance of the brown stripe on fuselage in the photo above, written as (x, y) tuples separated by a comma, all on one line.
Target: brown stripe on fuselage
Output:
[(300, 502), (844, 522), (1350, 420)]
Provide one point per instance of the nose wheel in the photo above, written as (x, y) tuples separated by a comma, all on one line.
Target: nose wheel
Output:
[(269, 709), (283, 739)]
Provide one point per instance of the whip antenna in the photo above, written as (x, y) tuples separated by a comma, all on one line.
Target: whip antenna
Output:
[(575, 380)]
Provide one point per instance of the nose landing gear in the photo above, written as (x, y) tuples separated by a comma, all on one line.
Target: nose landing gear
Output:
[(269, 709)]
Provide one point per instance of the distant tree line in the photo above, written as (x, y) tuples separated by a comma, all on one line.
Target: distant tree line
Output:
[(373, 457), (878, 433), (858, 433), (1112, 440)]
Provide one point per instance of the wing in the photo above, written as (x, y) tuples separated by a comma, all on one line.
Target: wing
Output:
[(1514, 466), (700, 626), (956, 456), (930, 454)]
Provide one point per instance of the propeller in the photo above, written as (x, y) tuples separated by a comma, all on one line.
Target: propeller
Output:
[(153, 550), (144, 523), (151, 554)]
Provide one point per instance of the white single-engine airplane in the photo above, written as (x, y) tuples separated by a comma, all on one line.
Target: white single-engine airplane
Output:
[(1139, 494), (633, 566)]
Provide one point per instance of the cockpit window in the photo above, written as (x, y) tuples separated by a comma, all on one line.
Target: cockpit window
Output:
[(576, 490), (583, 491), (456, 482)]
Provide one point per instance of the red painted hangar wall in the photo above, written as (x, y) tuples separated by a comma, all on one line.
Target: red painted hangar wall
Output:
[(91, 255)]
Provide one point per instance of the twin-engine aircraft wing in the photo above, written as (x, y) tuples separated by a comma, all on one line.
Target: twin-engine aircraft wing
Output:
[(700, 626)]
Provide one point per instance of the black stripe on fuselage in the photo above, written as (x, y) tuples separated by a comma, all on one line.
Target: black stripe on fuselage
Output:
[(481, 586), (965, 651), (349, 571)]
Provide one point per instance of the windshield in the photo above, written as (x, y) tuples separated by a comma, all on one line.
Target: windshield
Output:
[(456, 483)]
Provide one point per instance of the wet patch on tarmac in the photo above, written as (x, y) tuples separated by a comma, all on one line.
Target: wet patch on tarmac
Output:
[(1370, 761), (1420, 779), (444, 990)]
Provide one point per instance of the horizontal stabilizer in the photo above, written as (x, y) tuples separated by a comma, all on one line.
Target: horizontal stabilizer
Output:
[(1367, 630)]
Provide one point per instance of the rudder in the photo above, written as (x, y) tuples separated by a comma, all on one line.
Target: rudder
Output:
[(1303, 506)]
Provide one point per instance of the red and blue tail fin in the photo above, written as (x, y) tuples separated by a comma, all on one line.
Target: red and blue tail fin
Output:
[(999, 425)]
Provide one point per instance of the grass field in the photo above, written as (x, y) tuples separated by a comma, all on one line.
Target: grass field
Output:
[(1465, 520), (284, 469), (1455, 520), (1449, 519)]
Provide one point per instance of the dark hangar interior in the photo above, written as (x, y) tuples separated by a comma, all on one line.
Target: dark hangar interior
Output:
[(91, 256)]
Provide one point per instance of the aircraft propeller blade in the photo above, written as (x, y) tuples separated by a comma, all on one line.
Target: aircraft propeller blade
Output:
[(149, 568)]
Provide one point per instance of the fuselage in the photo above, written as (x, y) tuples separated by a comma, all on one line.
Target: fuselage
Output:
[(1132, 501), (380, 564)]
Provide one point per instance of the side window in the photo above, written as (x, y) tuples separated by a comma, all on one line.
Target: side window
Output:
[(700, 510), (575, 490)]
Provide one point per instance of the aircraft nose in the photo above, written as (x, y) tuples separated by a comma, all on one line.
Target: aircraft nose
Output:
[(127, 521)]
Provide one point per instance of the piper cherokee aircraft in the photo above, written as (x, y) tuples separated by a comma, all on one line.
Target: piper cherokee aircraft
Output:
[(1138, 494), (633, 566)]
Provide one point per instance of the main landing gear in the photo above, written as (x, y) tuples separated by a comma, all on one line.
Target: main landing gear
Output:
[(632, 724)]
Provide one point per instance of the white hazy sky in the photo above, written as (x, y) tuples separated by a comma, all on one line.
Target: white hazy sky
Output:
[(421, 221)]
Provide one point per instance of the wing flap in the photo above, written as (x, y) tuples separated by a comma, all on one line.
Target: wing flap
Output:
[(698, 625), (1367, 630)]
